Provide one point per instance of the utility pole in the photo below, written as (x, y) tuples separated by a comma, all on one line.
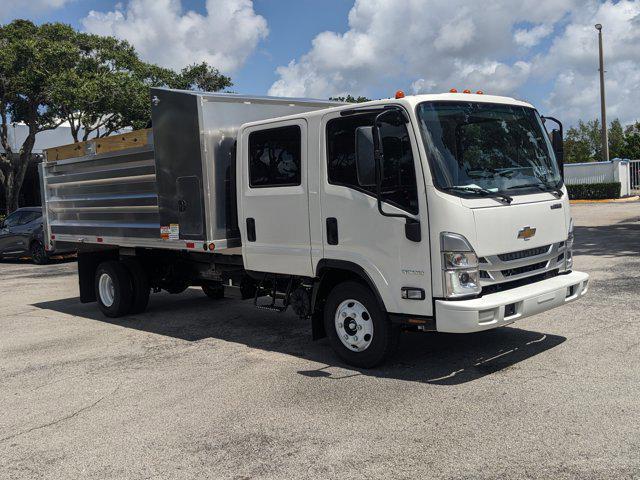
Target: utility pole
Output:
[(603, 106)]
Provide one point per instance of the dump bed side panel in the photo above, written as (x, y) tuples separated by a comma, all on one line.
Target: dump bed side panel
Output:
[(109, 194)]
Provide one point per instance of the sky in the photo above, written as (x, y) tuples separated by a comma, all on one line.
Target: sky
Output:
[(542, 51)]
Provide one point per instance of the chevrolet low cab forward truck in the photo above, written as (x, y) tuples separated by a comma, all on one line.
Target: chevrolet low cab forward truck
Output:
[(442, 212)]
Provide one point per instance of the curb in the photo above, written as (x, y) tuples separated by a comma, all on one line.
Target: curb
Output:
[(635, 198)]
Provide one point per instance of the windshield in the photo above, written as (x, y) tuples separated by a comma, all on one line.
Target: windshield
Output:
[(487, 147)]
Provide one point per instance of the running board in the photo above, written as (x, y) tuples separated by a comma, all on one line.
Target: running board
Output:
[(263, 291)]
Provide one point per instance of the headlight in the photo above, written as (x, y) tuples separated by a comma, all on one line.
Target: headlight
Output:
[(568, 253), (455, 260), (460, 266)]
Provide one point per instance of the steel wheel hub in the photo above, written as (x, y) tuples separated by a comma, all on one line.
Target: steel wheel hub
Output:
[(354, 325), (106, 290)]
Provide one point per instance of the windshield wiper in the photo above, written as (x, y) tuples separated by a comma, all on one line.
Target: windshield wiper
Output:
[(483, 192), (540, 186)]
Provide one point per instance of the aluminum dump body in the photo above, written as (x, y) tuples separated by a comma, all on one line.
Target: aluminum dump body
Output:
[(171, 186)]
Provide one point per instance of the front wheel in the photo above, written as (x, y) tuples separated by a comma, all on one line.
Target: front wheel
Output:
[(358, 330), (38, 253)]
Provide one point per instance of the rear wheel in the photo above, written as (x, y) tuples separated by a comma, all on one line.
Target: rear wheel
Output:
[(38, 253), (140, 284), (113, 286), (358, 330), (213, 291)]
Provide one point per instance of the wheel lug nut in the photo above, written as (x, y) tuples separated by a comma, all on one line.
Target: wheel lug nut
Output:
[(344, 314), (346, 337), (355, 337), (359, 327)]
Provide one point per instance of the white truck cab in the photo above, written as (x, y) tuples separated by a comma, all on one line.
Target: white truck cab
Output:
[(432, 212), (449, 208)]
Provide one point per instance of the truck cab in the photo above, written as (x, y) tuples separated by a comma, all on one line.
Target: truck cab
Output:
[(440, 212)]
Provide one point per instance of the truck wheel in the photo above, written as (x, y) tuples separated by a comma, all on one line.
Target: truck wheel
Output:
[(358, 330), (140, 284), (38, 253), (214, 292), (113, 289)]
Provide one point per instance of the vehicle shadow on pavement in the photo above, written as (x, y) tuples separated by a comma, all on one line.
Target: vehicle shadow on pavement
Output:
[(434, 358), (620, 239)]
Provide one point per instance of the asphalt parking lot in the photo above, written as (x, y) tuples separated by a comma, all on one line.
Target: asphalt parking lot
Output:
[(195, 388)]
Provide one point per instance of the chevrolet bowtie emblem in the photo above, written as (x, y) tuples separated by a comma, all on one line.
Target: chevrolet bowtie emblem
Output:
[(526, 233)]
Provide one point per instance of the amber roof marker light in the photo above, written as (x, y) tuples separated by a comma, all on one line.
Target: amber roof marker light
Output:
[(399, 94), (453, 90)]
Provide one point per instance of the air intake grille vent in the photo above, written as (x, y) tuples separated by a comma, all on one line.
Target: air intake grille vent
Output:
[(531, 252), (527, 268)]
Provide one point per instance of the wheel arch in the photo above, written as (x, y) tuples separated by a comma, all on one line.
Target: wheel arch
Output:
[(330, 272)]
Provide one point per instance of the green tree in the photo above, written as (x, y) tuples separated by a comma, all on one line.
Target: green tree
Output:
[(616, 139), (50, 74), (350, 99), (582, 143), (108, 87), (29, 57), (631, 147)]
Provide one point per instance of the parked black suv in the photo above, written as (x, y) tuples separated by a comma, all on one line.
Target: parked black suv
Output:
[(21, 235)]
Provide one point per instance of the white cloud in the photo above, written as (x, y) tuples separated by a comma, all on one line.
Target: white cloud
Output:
[(21, 8), (435, 45), (532, 36), (165, 34), (572, 63), (444, 43)]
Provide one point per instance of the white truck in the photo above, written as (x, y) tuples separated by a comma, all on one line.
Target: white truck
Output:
[(442, 213)]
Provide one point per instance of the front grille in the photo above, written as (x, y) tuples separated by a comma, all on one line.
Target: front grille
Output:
[(531, 252), (527, 268)]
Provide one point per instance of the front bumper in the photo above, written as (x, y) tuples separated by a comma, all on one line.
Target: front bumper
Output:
[(488, 312)]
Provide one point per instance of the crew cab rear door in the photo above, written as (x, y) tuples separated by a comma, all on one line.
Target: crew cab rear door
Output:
[(274, 200)]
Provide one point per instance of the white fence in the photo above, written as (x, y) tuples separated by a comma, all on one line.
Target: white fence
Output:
[(634, 172), (605, 172)]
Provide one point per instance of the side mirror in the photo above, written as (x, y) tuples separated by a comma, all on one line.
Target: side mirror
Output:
[(558, 148), (365, 157), (557, 142)]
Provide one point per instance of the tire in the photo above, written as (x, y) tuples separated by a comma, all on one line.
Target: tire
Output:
[(371, 340), (140, 285), (215, 292), (114, 292), (38, 253)]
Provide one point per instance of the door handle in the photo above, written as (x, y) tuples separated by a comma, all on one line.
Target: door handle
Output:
[(332, 231), (251, 229)]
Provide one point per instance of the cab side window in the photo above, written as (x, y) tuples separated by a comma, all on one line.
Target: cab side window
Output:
[(274, 157), (398, 186)]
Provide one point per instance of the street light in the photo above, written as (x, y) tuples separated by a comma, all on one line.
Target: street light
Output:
[(603, 108)]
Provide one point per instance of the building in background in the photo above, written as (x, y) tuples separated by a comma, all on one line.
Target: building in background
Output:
[(30, 192)]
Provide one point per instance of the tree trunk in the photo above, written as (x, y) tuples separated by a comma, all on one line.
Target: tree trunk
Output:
[(14, 176), (9, 204)]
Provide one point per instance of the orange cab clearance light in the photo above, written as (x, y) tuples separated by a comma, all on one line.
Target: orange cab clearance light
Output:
[(480, 92), (399, 94), (453, 90), (466, 91)]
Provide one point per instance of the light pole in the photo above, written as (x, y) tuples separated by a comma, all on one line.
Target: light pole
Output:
[(603, 106)]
